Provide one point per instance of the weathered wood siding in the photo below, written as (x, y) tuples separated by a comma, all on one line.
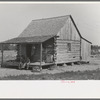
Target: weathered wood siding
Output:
[(63, 55), (85, 50), (69, 31), (68, 35)]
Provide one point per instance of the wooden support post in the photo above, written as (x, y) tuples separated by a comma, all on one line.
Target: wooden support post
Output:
[(41, 55), (20, 56), (2, 56), (80, 49), (20, 52), (55, 51)]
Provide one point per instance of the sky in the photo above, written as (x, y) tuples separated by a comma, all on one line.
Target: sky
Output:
[(15, 17)]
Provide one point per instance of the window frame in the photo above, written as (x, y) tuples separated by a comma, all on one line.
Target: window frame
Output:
[(69, 48)]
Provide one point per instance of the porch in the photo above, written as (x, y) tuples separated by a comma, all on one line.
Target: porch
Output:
[(43, 55)]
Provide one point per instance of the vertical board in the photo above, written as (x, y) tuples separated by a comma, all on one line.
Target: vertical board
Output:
[(75, 35), (85, 50), (68, 31)]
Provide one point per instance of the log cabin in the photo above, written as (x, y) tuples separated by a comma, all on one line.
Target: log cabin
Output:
[(50, 41)]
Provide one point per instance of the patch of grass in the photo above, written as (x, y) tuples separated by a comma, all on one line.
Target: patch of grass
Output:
[(86, 75)]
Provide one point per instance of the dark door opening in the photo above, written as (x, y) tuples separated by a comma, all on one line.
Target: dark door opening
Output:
[(28, 50)]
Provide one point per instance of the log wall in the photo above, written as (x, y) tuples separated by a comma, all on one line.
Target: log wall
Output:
[(63, 53), (68, 35)]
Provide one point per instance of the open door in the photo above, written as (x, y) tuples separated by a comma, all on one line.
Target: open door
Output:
[(28, 50)]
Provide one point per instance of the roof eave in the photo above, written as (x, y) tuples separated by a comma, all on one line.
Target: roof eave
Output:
[(86, 40)]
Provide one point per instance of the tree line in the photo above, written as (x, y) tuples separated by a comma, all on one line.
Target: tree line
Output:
[(95, 49), (8, 46)]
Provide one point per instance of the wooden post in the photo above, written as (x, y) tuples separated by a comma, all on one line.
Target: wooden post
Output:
[(20, 56), (55, 51), (20, 52), (2, 56), (80, 49), (41, 55)]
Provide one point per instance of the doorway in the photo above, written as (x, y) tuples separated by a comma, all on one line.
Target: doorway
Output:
[(28, 50)]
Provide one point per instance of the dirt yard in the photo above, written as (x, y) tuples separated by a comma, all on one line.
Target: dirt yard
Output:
[(67, 72)]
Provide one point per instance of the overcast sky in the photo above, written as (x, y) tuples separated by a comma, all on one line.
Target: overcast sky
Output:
[(14, 18)]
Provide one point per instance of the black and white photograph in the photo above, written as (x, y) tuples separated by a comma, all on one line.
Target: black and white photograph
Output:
[(50, 41)]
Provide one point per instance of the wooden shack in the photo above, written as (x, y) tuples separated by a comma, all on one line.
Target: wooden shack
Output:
[(54, 40)]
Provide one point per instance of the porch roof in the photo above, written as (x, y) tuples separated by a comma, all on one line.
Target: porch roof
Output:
[(35, 39)]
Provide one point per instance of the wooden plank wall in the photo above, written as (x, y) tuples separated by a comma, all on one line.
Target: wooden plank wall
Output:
[(68, 34), (69, 31), (85, 50)]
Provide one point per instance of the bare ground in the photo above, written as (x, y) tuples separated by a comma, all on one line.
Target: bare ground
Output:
[(76, 72)]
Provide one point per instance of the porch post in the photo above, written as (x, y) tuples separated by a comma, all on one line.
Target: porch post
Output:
[(55, 50), (41, 55), (20, 52), (2, 55), (80, 49)]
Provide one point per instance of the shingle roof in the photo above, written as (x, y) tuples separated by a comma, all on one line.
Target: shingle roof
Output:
[(47, 26), (41, 30), (35, 39)]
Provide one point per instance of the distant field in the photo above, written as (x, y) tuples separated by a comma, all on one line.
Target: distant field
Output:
[(8, 55)]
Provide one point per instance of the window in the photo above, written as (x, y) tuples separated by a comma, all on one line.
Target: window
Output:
[(69, 46)]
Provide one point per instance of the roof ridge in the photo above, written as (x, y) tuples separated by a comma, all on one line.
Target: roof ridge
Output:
[(49, 18)]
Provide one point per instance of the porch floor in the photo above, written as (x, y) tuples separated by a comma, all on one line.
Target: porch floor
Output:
[(42, 64)]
